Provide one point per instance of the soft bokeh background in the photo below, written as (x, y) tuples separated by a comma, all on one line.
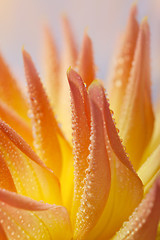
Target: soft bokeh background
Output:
[(21, 23)]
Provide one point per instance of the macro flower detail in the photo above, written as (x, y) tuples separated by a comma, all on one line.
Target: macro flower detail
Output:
[(104, 184)]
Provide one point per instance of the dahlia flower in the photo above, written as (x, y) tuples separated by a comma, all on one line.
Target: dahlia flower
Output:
[(104, 184)]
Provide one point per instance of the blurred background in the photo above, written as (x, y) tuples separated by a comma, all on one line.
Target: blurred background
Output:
[(22, 21)]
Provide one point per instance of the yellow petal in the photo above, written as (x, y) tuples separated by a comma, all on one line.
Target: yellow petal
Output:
[(123, 63), (16, 122), (24, 218), (136, 119), (29, 173), (150, 169), (97, 180), (126, 188), (51, 63), (10, 91), (69, 58), (143, 223), (86, 66), (44, 123), (155, 139), (81, 135)]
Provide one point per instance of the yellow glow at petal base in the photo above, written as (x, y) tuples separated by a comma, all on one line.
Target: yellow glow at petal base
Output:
[(150, 169), (29, 173), (24, 218), (142, 225)]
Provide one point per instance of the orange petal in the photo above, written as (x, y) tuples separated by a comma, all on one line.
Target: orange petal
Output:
[(136, 121), (81, 135), (16, 122), (69, 58), (6, 180), (10, 92), (123, 63), (70, 47), (97, 180), (44, 123), (29, 173), (2, 233), (24, 218), (86, 62), (126, 188), (143, 223), (51, 63)]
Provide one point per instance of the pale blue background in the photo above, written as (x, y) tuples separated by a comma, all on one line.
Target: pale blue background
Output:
[(21, 24)]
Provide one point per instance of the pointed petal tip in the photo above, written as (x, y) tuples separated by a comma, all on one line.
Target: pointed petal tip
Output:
[(133, 10), (145, 19), (69, 70), (144, 23), (26, 55), (86, 30)]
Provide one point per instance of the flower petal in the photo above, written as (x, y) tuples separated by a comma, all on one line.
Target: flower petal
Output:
[(6, 180), (2, 233), (69, 58), (150, 169), (16, 122), (136, 120), (97, 180), (155, 139), (81, 136), (10, 92), (44, 123), (143, 223), (126, 188), (29, 173), (86, 66), (24, 218), (51, 63), (123, 63)]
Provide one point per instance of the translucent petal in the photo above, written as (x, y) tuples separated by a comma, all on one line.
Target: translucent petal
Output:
[(44, 123), (126, 188), (81, 135), (86, 66), (51, 64), (24, 218), (150, 169), (29, 173), (123, 65), (16, 122), (136, 120), (6, 180), (10, 91), (155, 139), (143, 223), (97, 180), (2, 233), (69, 58)]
